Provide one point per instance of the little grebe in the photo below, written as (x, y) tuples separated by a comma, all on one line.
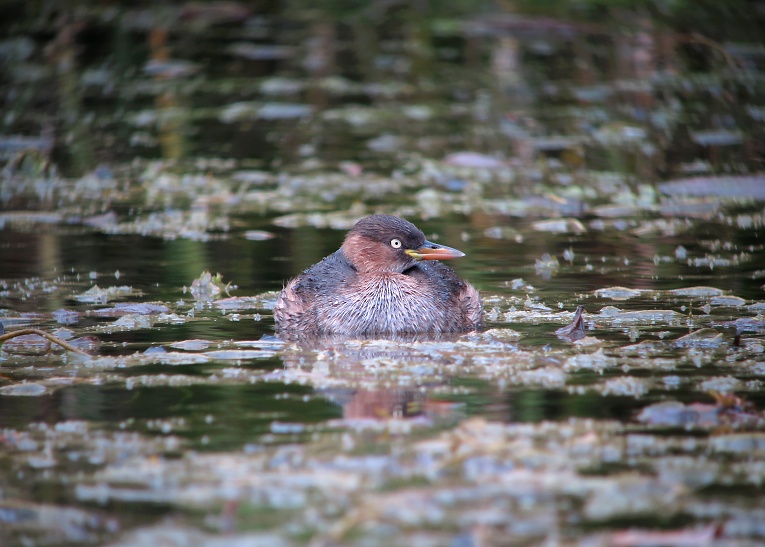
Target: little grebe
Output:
[(384, 279)]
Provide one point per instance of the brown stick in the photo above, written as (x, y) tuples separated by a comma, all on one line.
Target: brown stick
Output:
[(47, 336), (696, 38)]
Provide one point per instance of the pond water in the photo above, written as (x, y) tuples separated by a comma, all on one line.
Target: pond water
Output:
[(609, 159)]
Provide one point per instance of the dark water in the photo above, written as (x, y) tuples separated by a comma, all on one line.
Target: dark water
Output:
[(349, 114)]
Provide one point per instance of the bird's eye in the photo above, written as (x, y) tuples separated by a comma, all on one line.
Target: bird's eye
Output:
[(395, 243)]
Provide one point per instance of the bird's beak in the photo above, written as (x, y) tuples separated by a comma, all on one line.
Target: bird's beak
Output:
[(433, 251)]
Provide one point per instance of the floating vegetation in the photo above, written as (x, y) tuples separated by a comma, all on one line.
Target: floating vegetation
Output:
[(618, 293), (730, 187), (97, 295), (560, 226)]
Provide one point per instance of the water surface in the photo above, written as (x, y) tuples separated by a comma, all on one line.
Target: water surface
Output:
[(589, 157)]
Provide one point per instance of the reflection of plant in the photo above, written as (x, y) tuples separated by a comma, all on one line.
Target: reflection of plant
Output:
[(207, 287), (29, 172), (728, 413)]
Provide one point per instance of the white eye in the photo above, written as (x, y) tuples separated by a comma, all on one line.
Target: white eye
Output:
[(395, 243)]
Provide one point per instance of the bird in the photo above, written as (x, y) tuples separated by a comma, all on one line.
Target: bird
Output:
[(386, 278)]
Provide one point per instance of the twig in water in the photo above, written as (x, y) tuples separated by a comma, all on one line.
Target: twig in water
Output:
[(55, 339)]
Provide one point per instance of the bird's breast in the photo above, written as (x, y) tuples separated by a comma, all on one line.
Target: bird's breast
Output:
[(387, 302)]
